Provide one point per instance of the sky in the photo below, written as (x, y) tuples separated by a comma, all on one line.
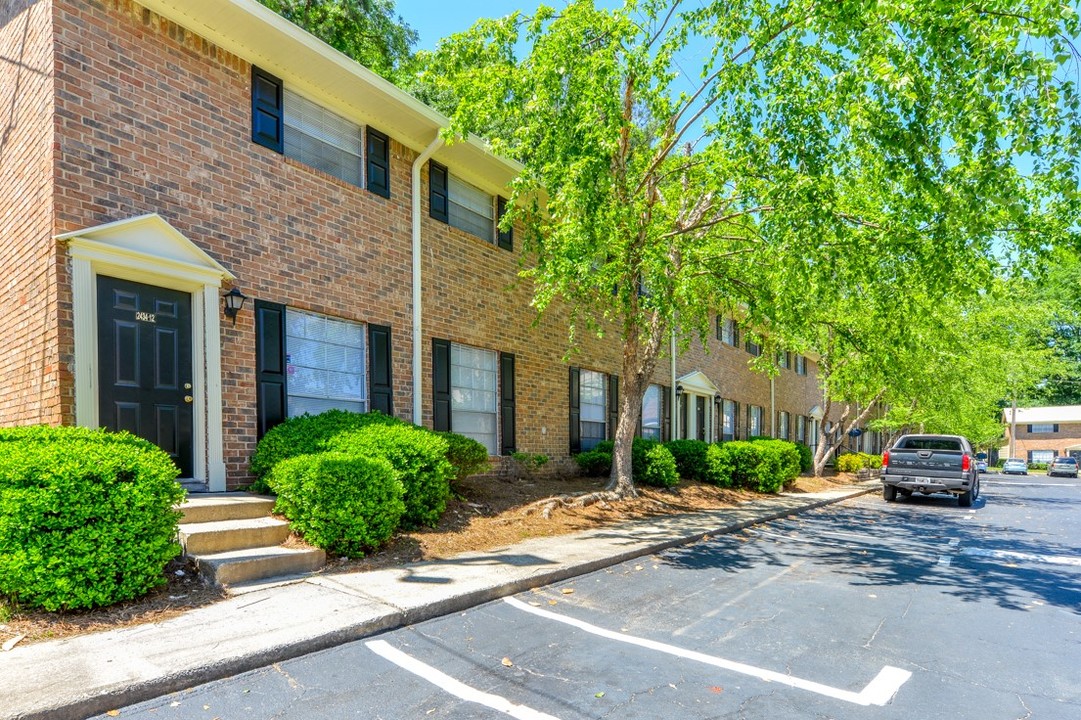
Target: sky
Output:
[(435, 19)]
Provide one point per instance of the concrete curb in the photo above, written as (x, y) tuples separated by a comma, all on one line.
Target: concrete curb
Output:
[(379, 615)]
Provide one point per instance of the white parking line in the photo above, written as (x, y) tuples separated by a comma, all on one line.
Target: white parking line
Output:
[(450, 685), (878, 691), (1024, 557)]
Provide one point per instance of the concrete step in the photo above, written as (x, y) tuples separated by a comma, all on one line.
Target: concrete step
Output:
[(225, 506), (207, 538), (244, 566)]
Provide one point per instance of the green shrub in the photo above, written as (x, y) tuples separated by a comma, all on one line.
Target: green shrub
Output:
[(530, 463), (419, 458), (854, 462), (806, 457), (594, 462), (87, 518), (467, 455), (754, 465), (690, 456), (789, 457), (660, 468), (304, 435), (721, 465), (344, 503)]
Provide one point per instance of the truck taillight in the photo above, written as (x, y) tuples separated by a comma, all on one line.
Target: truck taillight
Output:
[(966, 462), (885, 458)]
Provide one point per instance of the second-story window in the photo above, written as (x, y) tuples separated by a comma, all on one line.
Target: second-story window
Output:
[(302, 129), (727, 330), (466, 207), (753, 348), (1042, 428), (801, 365)]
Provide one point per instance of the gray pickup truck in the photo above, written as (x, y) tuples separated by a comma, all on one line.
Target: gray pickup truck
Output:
[(931, 464)]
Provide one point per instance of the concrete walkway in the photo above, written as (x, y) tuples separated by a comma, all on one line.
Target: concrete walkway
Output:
[(78, 677)]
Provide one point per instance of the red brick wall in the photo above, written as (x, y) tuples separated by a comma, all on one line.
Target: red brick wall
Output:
[(153, 119), (30, 371)]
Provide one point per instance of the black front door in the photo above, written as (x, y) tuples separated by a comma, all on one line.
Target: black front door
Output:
[(144, 347)]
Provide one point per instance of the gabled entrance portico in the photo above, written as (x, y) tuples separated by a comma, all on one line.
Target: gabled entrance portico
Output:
[(145, 303)]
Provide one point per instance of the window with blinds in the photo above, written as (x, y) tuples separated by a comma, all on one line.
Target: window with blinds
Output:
[(471, 209), (474, 394), (325, 364), (593, 402), (322, 139), (651, 413)]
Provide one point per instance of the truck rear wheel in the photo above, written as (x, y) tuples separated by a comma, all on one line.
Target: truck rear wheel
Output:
[(965, 499), (889, 493)]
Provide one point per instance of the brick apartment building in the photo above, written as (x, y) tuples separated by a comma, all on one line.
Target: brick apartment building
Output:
[(1043, 433), (156, 155)]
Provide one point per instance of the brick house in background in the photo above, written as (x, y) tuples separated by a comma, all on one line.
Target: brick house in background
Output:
[(158, 154), (1043, 433)]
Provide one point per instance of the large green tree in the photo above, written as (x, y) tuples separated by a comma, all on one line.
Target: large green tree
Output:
[(778, 158), (368, 31)]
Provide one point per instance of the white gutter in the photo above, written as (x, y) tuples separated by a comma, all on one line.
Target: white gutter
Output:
[(674, 423), (418, 382)]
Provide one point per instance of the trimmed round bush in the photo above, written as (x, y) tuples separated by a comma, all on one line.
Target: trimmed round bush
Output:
[(87, 518), (467, 455), (306, 434), (754, 465), (594, 463), (418, 457), (660, 468), (344, 503), (690, 457), (721, 465), (789, 457), (854, 462)]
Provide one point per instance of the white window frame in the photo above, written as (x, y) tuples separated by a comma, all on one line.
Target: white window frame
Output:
[(1041, 456), (801, 429), (305, 118), (302, 327), (474, 394), (596, 382), (458, 212), (651, 424), (782, 425), (729, 420), (801, 365), (1042, 428), (754, 421)]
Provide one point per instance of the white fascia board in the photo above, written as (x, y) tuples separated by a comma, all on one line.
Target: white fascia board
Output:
[(251, 31)]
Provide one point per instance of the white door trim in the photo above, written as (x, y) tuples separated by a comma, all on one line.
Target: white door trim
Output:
[(147, 249)]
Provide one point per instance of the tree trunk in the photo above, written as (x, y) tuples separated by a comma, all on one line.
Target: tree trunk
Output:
[(621, 481), (841, 430)]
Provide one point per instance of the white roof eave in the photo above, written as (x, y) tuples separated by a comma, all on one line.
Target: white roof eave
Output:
[(257, 34)]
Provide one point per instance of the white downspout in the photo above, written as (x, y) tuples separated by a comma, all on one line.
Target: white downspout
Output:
[(772, 407), (418, 382), (675, 396)]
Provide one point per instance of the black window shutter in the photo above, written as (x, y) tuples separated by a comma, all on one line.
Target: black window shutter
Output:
[(267, 110), (1054, 428), (437, 192), (378, 151), (506, 239), (507, 403), (613, 405), (1029, 429), (270, 365), (575, 412), (380, 377), (441, 384), (666, 419)]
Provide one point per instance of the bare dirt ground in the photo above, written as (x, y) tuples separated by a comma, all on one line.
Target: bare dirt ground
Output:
[(487, 512)]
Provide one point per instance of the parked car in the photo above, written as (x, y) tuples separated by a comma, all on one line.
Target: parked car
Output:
[(981, 466), (1066, 466), (1014, 466), (930, 464)]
